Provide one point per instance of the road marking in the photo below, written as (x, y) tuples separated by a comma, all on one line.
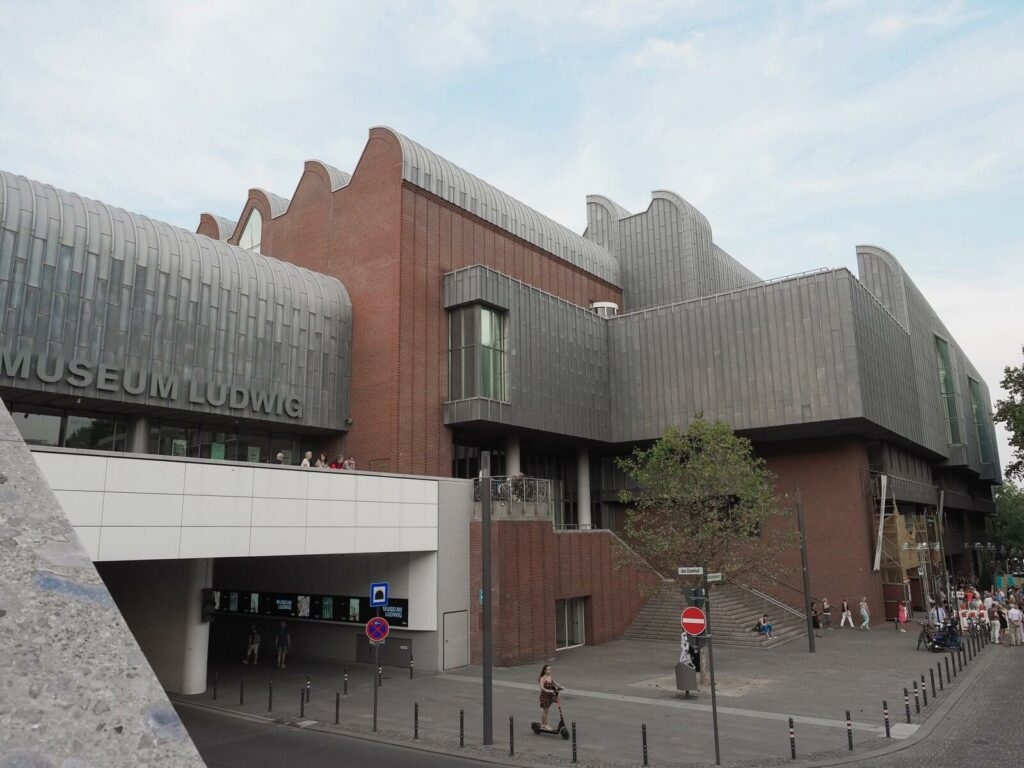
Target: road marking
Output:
[(898, 732)]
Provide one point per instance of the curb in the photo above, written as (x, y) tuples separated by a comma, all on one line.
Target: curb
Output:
[(935, 717)]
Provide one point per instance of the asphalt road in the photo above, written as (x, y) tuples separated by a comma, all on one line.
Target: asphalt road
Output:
[(225, 741)]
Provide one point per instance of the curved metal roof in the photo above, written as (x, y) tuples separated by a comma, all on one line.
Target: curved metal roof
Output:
[(338, 177), (433, 173), (225, 226), (610, 204), (278, 204)]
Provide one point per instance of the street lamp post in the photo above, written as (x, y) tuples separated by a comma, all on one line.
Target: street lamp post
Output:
[(803, 566), (485, 549)]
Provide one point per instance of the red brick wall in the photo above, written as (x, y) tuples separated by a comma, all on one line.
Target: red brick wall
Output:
[(390, 243), (831, 476), (533, 566)]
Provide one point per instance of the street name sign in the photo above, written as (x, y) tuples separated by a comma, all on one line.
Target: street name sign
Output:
[(695, 570), (713, 577)]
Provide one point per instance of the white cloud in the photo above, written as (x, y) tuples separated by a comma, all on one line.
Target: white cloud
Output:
[(951, 15)]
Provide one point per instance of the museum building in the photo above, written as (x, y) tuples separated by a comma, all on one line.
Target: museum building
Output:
[(411, 315)]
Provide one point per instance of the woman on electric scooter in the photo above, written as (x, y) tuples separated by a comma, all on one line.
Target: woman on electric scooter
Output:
[(548, 693)]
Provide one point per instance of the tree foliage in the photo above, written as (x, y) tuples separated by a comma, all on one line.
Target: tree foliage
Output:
[(1008, 524), (706, 500), (1010, 412)]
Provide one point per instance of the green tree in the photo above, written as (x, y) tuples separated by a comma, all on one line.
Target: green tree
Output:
[(1008, 524), (1010, 412), (707, 500)]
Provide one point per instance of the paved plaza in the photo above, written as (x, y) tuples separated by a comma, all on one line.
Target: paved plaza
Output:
[(612, 689)]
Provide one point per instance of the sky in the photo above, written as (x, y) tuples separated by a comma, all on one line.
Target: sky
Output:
[(800, 129)]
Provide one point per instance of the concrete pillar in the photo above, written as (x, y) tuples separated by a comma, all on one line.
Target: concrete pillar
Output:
[(138, 435), (513, 462), (161, 601), (583, 488)]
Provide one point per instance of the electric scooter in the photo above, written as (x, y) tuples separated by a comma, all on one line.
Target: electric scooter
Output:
[(559, 729)]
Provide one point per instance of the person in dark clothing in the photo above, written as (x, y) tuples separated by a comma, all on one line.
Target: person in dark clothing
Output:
[(283, 643)]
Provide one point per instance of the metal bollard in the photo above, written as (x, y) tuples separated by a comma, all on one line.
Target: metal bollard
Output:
[(906, 703), (960, 659), (954, 655), (931, 674), (924, 693), (938, 665), (302, 701), (410, 666), (849, 730), (307, 689), (241, 691), (917, 699), (462, 727), (270, 696), (214, 686), (574, 741), (337, 707), (643, 736), (792, 740), (346, 681), (948, 678), (885, 713), (511, 737), (970, 648)]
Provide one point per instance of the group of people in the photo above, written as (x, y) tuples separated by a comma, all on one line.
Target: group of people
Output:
[(282, 644), (998, 612), (322, 462), (821, 618)]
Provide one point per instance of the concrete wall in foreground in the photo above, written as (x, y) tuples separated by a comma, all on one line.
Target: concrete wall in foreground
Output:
[(76, 688)]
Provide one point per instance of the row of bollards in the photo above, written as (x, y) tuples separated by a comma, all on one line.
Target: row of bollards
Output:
[(971, 645)]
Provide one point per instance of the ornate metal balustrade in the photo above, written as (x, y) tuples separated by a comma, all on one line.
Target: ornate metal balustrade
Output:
[(516, 498)]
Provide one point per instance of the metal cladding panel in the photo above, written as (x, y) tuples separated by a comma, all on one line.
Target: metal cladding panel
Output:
[(80, 280), (428, 170), (884, 352), (769, 355), (886, 279), (557, 358), (666, 252)]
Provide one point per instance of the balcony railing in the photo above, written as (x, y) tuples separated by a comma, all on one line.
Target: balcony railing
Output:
[(516, 498)]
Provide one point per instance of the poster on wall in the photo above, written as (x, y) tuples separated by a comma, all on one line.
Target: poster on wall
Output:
[(303, 603), (327, 608), (217, 451), (253, 454), (178, 447)]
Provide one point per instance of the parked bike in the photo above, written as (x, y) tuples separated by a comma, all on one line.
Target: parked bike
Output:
[(945, 637)]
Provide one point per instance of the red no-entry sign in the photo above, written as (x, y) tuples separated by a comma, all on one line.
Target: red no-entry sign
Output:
[(693, 621)]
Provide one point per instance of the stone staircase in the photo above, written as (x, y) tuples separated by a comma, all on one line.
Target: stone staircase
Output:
[(734, 613)]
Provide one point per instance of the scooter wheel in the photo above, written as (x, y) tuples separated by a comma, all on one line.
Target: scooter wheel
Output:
[(565, 733), (536, 727)]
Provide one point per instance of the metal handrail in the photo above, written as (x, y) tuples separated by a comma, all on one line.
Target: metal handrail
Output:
[(769, 599)]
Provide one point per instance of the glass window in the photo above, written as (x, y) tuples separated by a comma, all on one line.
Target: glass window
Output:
[(569, 622), (981, 423), (252, 235), (476, 353), (947, 388), (253, 446), (38, 427), (98, 433), (172, 440)]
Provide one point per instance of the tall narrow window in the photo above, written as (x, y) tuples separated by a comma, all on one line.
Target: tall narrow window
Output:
[(492, 354), (476, 353), (252, 235), (981, 424), (570, 619), (947, 389)]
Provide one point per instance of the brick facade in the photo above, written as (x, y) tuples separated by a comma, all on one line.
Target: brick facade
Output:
[(533, 566)]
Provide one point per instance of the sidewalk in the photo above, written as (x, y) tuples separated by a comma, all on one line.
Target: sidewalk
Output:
[(613, 688)]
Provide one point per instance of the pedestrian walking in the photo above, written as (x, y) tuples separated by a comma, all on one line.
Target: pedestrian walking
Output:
[(993, 622), (901, 616), (283, 643), (815, 619), (252, 649), (847, 616), (826, 613), (1016, 625), (865, 615)]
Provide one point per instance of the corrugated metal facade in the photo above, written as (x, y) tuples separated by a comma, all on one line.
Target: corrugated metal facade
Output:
[(80, 279)]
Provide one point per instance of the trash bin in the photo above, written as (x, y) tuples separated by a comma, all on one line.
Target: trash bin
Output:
[(686, 678)]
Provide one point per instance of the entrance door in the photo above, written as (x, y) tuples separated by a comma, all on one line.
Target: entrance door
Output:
[(456, 639)]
